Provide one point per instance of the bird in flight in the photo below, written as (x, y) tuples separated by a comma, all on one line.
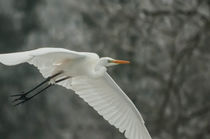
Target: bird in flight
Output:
[(86, 74)]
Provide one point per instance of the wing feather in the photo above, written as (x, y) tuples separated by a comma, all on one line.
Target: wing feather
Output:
[(42, 58), (106, 97)]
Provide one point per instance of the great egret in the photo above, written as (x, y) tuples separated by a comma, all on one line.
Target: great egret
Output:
[(85, 73)]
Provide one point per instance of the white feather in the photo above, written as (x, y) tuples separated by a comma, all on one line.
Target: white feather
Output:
[(42, 58), (112, 103)]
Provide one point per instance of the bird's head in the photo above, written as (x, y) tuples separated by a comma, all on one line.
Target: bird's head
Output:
[(108, 61)]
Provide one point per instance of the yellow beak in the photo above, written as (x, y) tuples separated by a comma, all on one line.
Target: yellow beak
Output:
[(120, 61)]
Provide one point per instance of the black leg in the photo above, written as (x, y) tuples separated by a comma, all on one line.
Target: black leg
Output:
[(22, 95), (60, 80), (24, 98)]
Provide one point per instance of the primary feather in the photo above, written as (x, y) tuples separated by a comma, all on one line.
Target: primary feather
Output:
[(42, 58), (106, 97)]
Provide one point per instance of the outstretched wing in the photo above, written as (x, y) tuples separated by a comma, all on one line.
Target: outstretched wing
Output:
[(106, 97), (42, 58)]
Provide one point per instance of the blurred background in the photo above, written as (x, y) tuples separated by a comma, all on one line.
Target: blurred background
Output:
[(167, 42)]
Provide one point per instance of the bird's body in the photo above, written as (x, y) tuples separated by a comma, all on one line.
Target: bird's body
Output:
[(83, 66), (85, 73)]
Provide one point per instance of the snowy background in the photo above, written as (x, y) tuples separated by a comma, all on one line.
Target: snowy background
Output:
[(167, 42)]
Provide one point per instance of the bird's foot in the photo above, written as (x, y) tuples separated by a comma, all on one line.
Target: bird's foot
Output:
[(19, 98)]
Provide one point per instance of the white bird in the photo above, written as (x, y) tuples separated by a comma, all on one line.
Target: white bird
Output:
[(85, 73)]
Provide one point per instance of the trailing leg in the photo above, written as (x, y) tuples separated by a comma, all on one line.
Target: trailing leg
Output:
[(23, 95), (24, 98)]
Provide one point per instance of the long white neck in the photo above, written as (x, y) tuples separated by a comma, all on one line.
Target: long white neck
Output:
[(99, 70)]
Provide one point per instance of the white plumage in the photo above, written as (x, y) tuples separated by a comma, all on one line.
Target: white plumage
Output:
[(90, 81)]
